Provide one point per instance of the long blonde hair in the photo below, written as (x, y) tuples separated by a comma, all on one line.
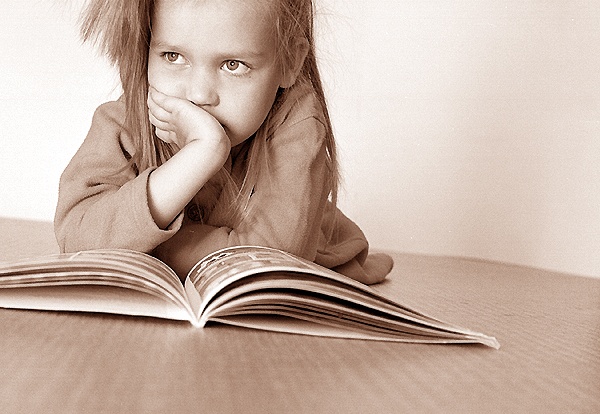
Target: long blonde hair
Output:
[(122, 31)]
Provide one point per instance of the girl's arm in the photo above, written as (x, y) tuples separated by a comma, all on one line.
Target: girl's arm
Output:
[(204, 149), (102, 201)]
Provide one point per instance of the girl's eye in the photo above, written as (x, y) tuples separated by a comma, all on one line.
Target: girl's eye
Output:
[(235, 67), (173, 57)]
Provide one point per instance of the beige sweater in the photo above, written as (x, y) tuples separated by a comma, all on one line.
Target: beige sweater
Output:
[(103, 201)]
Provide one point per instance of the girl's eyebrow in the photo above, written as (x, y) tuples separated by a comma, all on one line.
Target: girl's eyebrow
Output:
[(162, 44), (247, 53)]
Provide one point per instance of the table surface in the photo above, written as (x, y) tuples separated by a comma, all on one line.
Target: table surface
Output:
[(547, 323)]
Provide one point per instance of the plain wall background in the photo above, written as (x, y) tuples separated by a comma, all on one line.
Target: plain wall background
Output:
[(465, 127)]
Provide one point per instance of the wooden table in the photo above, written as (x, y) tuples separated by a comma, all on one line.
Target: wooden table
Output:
[(547, 323)]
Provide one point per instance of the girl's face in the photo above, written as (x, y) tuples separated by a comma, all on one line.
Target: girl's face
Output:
[(220, 55)]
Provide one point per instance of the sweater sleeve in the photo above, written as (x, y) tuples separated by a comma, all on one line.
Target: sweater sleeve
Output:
[(102, 200)]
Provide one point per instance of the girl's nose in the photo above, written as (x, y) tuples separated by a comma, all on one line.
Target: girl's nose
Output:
[(202, 90)]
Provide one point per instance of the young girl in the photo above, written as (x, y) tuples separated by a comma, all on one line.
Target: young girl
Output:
[(221, 138)]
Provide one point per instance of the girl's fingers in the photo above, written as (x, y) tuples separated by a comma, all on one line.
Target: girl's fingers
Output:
[(165, 136), (160, 117), (158, 123), (167, 103), (178, 121), (157, 111)]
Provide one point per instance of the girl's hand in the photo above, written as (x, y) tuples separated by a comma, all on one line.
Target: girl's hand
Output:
[(180, 122), (203, 149)]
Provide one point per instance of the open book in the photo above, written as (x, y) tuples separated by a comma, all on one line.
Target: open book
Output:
[(248, 286)]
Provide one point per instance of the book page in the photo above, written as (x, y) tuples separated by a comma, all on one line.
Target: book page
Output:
[(91, 298), (228, 265), (317, 328), (46, 282), (306, 299), (244, 283), (224, 267)]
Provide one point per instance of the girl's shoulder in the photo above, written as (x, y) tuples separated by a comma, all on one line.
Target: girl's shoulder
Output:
[(107, 131), (298, 126), (109, 114), (298, 104)]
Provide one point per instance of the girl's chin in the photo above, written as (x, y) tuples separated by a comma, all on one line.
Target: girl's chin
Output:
[(235, 141)]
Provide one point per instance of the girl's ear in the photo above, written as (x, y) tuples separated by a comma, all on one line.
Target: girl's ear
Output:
[(292, 69)]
